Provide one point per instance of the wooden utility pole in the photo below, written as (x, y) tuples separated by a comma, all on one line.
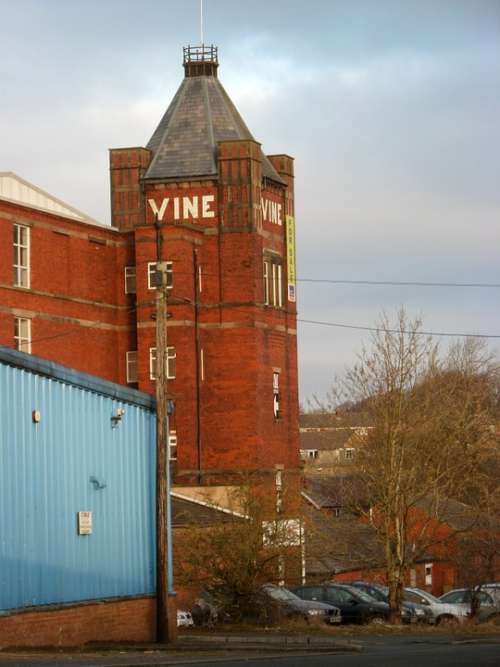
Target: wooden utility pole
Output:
[(166, 613)]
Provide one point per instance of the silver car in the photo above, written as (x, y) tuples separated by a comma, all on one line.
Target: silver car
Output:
[(410, 612), (439, 611), (488, 597), (184, 619)]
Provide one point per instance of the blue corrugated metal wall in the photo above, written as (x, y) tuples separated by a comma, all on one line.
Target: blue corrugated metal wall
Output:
[(45, 479)]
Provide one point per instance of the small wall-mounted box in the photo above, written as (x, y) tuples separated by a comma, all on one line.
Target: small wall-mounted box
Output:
[(84, 523), (36, 416)]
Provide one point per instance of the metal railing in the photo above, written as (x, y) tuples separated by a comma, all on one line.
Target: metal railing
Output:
[(200, 54)]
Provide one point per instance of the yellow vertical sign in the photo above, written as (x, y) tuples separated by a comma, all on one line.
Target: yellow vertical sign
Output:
[(290, 252)]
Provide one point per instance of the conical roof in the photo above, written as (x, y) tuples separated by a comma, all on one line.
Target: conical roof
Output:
[(184, 144)]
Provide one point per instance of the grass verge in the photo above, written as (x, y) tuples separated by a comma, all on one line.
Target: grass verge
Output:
[(321, 629)]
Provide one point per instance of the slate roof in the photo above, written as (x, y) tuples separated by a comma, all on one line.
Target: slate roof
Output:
[(325, 439), (338, 544), (205, 505), (453, 513), (187, 513), (332, 438), (324, 493), (340, 418), (185, 142)]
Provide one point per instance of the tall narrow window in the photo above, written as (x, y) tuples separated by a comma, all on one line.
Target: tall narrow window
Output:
[(132, 366), (274, 284), (152, 363), (200, 282), (130, 284), (276, 394), (267, 278), (279, 287), (171, 363), (279, 491), (172, 445), (153, 277), (21, 256), (273, 280), (22, 334)]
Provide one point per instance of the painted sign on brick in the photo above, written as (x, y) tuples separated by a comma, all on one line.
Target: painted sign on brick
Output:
[(184, 208), (290, 251), (271, 211)]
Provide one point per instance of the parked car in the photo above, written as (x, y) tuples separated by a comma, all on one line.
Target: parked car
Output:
[(439, 611), (488, 597), (355, 605), (184, 619), (205, 611), (271, 603), (291, 605), (410, 611)]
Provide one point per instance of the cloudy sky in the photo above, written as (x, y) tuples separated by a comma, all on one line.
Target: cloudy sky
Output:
[(390, 107)]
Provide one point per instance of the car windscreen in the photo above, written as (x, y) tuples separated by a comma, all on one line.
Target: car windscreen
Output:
[(380, 593), (358, 593), (453, 597), (423, 594), (280, 593)]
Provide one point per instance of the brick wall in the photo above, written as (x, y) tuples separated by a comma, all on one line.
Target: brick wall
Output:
[(228, 342), (80, 315), (113, 621)]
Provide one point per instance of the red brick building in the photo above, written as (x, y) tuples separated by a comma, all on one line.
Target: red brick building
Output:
[(82, 294)]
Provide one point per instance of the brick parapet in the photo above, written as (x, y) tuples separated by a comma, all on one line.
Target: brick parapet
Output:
[(127, 168), (240, 178)]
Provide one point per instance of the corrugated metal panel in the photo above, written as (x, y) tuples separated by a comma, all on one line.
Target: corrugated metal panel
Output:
[(50, 369), (16, 189), (45, 479)]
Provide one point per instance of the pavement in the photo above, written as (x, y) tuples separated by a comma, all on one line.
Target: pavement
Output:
[(283, 642), (293, 650), (188, 649)]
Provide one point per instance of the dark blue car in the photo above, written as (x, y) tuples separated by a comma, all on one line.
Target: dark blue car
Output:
[(355, 605)]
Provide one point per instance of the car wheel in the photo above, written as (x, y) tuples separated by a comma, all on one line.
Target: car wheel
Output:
[(446, 619), (376, 620)]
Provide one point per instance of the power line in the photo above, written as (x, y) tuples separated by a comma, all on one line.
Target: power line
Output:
[(404, 283), (397, 331), (344, 281), (337, 325)]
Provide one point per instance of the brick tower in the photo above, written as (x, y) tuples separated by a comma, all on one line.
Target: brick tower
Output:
[(227, 212)]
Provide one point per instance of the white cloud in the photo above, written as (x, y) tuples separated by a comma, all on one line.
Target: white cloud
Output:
[(392, 116)]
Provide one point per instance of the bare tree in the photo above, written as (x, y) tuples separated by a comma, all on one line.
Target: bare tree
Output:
[(431, 429), (251, 544), (477, 552)]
